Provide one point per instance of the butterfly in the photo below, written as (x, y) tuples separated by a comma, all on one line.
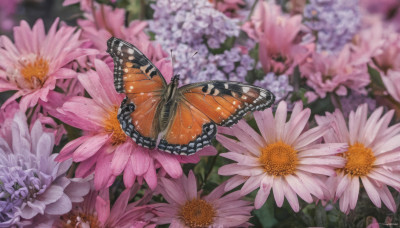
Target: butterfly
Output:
[(184, 119)]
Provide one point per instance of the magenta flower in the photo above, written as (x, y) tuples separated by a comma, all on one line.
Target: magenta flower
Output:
[(285, 158), (104, 148), (33, 187), (95, 211), (32, 65), (187, 208), (335, 73), (277, 34), (372, 157)]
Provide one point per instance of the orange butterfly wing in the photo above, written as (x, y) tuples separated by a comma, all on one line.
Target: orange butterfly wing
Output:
[(202, 106), (143, 85)]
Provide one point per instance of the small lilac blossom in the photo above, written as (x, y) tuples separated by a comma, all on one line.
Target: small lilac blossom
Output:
[(32, 184), (335, 21), (277, 84), (190, 29)]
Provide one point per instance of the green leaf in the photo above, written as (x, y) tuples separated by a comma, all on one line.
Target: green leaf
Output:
[(265, 215), (375, 77)]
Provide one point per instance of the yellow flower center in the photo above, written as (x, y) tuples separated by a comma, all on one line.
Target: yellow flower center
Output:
[(78, 220), (113, 127), (279, 159), (360, 160), (35, 73), (197, 213)]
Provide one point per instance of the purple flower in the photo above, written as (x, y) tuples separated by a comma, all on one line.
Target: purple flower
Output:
[(190, 28), (335, 21), (278, 85), (32, 184)]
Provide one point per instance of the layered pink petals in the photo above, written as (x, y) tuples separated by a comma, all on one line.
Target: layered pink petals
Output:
[(34, 51), (383, 143), (276, 34), (229, 210), (314, 160)]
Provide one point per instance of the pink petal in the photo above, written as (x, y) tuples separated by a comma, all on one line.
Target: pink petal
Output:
[(129, 175), (169, 163), (299, 188), (103, 170), (68, 150), (230, 144), (191, 187), (234, 182), (151, 177), (251, 184), (280, 119), (387, 198), (354, 189), (103, 209), (343, 185), (141, 161), (291, 197), (371, 191), (277, 189), (121, 157), (90, 147)]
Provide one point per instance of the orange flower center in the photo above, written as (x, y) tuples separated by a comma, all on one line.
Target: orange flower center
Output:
[(360, 160), (197, 213), (279, 159), (35, 72), (113, 127), (78, 220)]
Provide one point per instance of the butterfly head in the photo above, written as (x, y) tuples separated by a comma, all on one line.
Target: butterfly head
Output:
[(175, 80)]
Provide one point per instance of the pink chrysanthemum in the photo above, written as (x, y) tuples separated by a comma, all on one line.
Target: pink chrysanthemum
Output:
[(372, 156), (32, 65), (277, 34), (95, 211), (105, 148), (187, 208), (335, 73), (284, 158)]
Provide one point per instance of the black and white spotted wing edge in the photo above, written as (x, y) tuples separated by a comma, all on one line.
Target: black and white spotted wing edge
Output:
[(122, 52), (264, 98), (205, 139)]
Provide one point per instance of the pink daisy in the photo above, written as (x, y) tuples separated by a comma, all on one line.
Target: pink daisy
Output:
[(187, 208), (285, 158), (335, 73), (372, 156), (392, 84), (32, 65), (95, 211), (104, 148), (278, 35)]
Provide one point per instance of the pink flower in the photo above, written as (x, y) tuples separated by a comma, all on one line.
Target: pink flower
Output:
[(95, 211), (99, 28), (36, 60), (389, 57), (277, 34), (187, 208), (104, 148), (392, 83), (284, 158), (228, 7), (335, 73), (372, 156)]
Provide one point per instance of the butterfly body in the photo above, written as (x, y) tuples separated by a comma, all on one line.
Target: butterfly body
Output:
[(184, 118)]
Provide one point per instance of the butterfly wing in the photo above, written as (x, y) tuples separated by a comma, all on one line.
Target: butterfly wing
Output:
[(144, 85), (202, 106)]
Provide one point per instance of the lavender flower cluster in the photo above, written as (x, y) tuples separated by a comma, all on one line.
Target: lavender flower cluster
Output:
[(277, 84), (191, 29), (335, 21)]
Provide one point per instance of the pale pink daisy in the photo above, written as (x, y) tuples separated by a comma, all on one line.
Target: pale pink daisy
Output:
[(372, 156), (95, 211), (104, 148), (32, 65), (187, 207), (335, 73), (285, 158), (278, 35)]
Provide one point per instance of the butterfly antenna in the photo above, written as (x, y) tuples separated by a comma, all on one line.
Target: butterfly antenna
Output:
[(194, 54)]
